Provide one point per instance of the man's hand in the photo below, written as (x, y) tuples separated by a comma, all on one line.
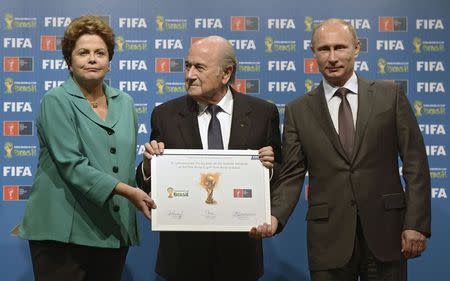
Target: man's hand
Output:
[(264, 230), (413, 243), (151, 148), (267, 156), (141, 200)]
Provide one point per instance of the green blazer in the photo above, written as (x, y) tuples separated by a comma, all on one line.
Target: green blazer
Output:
[(81, 160)]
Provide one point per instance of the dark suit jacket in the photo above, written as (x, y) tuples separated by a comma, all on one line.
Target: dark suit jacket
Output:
[(367, 185), (233, 256)]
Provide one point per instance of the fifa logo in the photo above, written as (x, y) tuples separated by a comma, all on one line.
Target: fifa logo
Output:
[(160, 23), (119, 42), (308, 23), (268, 42), (160, 86), (9, 82), (308, 84), (417, 43), (9, 21), (8, 149), (381, 63), (418, 106)]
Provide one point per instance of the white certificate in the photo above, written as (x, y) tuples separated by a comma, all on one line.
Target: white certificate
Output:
[(209, 190)]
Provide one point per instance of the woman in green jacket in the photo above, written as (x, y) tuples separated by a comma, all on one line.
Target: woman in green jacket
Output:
[(80, 218)]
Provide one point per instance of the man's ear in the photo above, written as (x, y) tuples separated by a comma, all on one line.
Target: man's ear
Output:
[(227, 74), (357, 48), (312, 50)]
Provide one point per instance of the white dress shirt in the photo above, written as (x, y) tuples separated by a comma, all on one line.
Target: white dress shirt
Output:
[(224, 116), (334, 102)]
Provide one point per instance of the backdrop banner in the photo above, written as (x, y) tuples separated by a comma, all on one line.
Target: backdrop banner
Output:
[(402, 41)]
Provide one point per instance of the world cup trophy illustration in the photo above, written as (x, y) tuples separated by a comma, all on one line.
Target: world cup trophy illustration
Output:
[(160, 86), (159, 23), (9, 18), (381, 63), (268, 41), (417, 43), (308, 23), (209, 182), (170, 192), (418, 107), (308, 84), (9, 83), (120, 41), (8, 146)]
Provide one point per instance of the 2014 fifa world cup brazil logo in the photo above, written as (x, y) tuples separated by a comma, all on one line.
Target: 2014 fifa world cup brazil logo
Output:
[(418, 106), (268, 41), (381, 63), (119, 42), (417, 43), (8, 149), (160, 86), (209, 182), (170, 192), (9, 82), (308, 84), (308, 23), (9, 21), (160, 23)]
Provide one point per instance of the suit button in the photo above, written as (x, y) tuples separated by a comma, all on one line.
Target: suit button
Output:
[(110, 132), (115, 169), (112, 150), (116, 208), (352, 202)]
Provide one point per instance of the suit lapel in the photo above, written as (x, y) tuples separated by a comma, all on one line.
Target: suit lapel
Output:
[(365, 105), (240, 122), (85, 108), (114, 107), (319, 108), (188, 124)]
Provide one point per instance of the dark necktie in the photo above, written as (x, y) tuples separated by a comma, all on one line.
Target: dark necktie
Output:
[(345, 120), (214, 132)]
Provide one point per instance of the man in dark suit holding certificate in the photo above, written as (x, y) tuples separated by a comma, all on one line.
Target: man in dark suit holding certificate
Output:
[(211, 116), (348, 133)]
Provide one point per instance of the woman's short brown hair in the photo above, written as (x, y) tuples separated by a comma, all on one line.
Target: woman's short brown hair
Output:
[(89, 24)]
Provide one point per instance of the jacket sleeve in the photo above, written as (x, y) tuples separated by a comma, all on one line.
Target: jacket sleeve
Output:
[(288, 186), (274, 140), (155, 135), (416, 172)]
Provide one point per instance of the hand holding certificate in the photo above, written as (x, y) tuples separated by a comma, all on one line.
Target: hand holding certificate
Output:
[(209, 190)]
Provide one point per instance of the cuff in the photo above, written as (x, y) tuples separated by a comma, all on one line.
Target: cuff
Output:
[(144, 177)]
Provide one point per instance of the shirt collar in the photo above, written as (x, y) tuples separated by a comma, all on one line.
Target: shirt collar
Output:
[(351, 84), (226, 103)]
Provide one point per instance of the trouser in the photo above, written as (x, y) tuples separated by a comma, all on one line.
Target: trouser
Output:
[(364, 265), (56, 261)]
